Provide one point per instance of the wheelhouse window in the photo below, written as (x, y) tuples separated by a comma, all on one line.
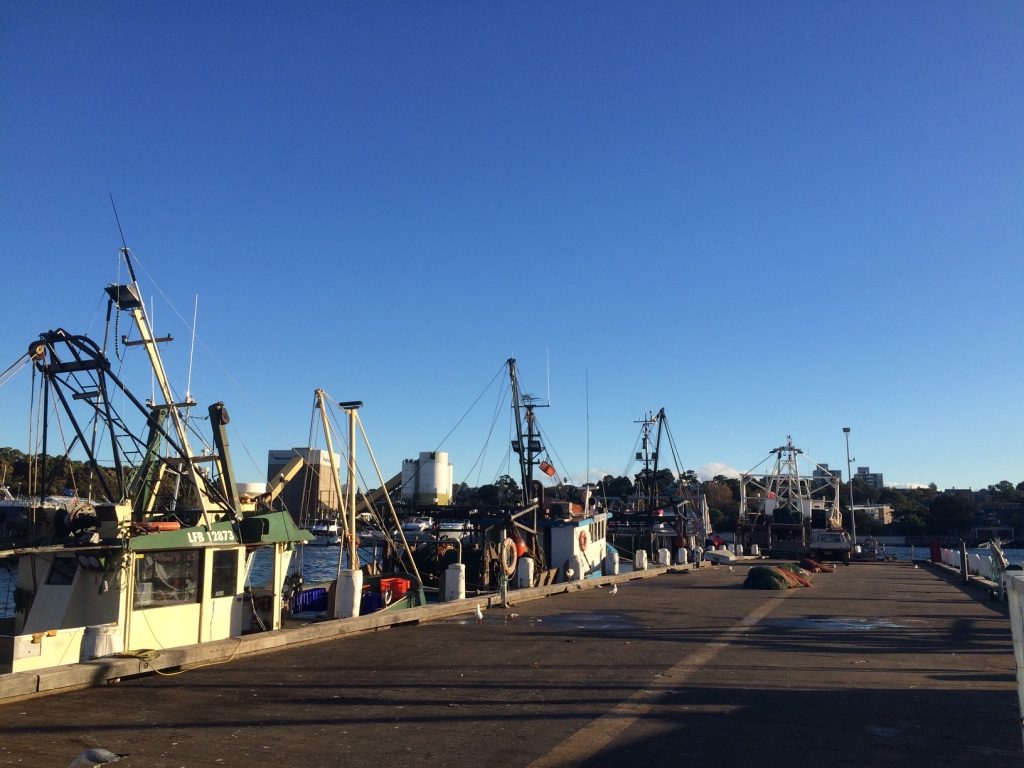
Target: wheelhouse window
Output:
[(225, 572), (167, 578)]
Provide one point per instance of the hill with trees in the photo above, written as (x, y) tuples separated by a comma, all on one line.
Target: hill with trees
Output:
[(917, 512)]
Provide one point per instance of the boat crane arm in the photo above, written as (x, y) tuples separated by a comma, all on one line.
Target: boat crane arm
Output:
[(284, 477), (376, 495)]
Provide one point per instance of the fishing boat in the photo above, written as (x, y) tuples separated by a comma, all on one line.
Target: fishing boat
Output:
[(666, 511), (537, 537), (416, 528), (454, 529), (375, 570), (787, 513), (325, 533), (164, 557)]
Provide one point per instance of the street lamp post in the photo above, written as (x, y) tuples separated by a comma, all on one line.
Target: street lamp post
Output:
[(849, 476)]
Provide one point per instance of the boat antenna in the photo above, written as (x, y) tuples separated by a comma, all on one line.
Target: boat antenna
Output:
[(117, 219), (191, 351), (152, 321), (587, 481), (547, 355), (124, 243)]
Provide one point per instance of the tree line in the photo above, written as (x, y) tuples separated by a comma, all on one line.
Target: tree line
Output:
[(916, 511), (21, 474)]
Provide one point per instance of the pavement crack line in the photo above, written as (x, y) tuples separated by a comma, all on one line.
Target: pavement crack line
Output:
[(602, 731)]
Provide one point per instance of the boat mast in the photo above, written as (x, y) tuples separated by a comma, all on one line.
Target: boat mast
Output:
[(128, 298), (786, 479), (531, 448), (351, 407), (647, 493), (518, 442), (320, 403), (659, 420)]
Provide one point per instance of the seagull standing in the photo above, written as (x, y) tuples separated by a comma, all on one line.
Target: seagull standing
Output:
[(94, 757), (615, 589), (479, 614)]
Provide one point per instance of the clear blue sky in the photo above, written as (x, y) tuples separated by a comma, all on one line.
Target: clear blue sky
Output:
[(767, 218)]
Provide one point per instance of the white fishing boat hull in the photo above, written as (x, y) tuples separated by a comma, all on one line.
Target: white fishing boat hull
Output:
[(579, 546), (326, 533)]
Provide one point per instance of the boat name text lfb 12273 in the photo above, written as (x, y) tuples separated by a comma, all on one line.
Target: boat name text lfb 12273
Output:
[(200, 538)]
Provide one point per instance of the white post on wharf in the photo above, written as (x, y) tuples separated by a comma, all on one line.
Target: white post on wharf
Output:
[(1015, 585), (350, 581)]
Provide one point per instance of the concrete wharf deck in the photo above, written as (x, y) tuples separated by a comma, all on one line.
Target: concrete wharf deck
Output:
[(877, 663)]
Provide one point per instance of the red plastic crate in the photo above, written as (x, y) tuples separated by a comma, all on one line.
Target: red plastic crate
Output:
[(398, 587)]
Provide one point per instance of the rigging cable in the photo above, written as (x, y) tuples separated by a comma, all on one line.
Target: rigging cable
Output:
[(675, 456), (223, 368), (549, 449), (632, 456), (14, 368), (482, 455), (483, 392), (406, 546), (311, 471), (752, 469)]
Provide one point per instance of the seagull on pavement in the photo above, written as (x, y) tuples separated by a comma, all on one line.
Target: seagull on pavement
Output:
[(479, 614), (615, 589), (94, 757)]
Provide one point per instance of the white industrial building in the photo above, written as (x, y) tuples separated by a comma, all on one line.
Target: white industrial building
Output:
[(428, 479)]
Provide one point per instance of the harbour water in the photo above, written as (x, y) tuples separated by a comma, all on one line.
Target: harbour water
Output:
[(318, 564)]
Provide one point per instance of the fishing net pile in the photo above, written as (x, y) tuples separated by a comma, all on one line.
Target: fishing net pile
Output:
[(785, 576), (815, 567)]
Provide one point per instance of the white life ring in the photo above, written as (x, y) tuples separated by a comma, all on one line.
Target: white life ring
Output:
[(508, 555)]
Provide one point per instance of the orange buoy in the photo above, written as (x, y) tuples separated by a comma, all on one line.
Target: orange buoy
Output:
[(520, 544)]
